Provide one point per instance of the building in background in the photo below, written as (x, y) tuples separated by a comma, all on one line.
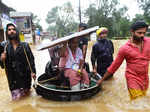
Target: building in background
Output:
[(4, 19), (24, 23), (5, 9)]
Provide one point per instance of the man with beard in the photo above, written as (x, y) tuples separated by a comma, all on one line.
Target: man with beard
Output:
[(102, 52), (136, 52), (18, 61)]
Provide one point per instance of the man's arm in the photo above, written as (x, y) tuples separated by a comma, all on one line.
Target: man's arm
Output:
[(3, 46), (1, 51), (2, 59), (94, 55), (107, 74), (84, 51), (112, 46), (84, 48), (81, 63), (31, 60)]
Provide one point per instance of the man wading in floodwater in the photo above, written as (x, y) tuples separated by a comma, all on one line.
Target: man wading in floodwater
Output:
[(136, 52), (15, 59)]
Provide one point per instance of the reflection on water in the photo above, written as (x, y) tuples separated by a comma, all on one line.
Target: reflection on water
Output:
[(113, 98), (25, 108)]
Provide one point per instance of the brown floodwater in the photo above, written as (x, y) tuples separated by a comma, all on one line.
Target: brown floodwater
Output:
[(113, 97)]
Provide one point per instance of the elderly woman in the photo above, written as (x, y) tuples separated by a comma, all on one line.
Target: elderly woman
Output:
[(71, 62)]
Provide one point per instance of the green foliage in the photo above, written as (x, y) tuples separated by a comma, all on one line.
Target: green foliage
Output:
[(36, 22), (105, 13), (145, 6), (138, 17), (61, 20), (53, 15)]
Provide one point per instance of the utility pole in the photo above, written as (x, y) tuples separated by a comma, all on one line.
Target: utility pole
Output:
[(79, 11)]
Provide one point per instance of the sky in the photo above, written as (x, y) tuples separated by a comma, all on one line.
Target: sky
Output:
[(41, 7)]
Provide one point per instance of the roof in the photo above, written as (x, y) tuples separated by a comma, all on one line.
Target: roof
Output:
[(20, 14)]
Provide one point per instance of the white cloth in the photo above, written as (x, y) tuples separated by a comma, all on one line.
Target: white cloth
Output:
[(76, 87), (71, 60)]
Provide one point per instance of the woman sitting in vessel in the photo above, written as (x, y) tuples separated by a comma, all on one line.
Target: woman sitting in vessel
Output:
[(71, 61)]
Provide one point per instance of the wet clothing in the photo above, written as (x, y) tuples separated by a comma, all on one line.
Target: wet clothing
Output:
[(75, 78), (17, 67), (69, 62), (83, 41), (134, 93), (18, 93), (102, 53), (137, 66)]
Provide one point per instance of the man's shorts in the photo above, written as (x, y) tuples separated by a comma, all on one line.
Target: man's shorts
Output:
[(136, 93), (18, 93)]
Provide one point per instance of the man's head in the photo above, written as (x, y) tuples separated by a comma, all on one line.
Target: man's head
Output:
[(138, 30), (102, 32), (82, 26), (11, 32)]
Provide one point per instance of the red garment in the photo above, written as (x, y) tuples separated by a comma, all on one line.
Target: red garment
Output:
[(137, 64), (74, 78)]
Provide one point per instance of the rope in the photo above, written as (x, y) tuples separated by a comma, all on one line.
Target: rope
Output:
[(27, 59), (34, 85)]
